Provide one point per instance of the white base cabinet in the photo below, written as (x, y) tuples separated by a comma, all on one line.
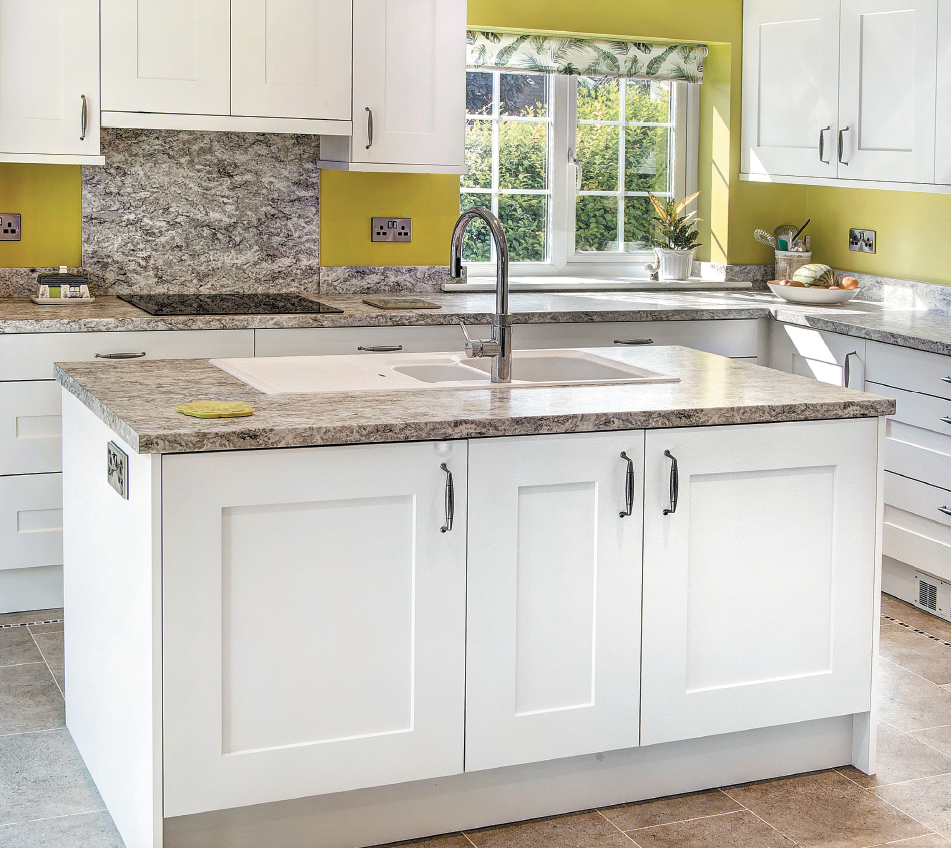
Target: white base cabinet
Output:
[(827, 357)]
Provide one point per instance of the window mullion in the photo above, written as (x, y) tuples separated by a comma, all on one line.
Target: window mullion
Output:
[(622, 177)]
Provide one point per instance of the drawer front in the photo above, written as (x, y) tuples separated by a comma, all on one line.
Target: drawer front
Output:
[(913, 370), (31, 520), (921, 499), (918, 463), (31, 427), (322, 341), (917, 410), (30, 356)]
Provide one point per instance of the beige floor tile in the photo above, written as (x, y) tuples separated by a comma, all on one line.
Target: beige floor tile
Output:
[(909, 702), (17, 647), (449, 840), (826, 810), (30, 615), (929, 840), (917, 653), (668, 810), (51, 647), (928, 800), (936, 737), (901, 757), (83, 830), (736, 830), (579, 830), (916, 617), (29, 699)]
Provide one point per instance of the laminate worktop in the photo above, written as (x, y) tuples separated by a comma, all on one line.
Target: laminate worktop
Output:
[(138, 399)]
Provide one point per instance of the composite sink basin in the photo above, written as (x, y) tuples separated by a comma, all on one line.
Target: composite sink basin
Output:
[(278, 375)]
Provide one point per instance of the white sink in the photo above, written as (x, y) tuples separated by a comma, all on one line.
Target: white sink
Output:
[(278, 375)]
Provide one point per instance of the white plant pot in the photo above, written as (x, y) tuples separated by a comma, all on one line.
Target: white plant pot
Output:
[(672, 264)]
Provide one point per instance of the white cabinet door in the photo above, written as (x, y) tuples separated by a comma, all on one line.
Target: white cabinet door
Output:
[(409, 73), (827, 357), (166, 56), (553, 597), (943, 112), (790, 87), (291, 58), (31, 520), (887, 90), (49, 68), (314, 621), (758, 584)]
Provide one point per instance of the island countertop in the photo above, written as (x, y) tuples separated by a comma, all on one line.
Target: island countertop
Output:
[(137, 400)]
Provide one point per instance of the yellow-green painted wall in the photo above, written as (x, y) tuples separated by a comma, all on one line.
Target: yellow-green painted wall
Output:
[(48, 198)]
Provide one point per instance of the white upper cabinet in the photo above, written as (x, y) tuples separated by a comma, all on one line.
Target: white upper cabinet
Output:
[(790, 97), (49, 81), (943, 112), (836, 91)]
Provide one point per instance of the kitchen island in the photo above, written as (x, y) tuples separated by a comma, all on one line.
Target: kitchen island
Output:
[(356, 618)]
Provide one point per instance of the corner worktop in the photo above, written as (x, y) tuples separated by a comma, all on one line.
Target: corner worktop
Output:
[(137, 400)]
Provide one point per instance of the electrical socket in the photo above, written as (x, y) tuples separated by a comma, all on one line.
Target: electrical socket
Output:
[(862, 241), (117, 469), (9, 227), (392, 229)]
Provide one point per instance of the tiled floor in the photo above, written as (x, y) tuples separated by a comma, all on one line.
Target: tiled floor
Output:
[(47, 798)]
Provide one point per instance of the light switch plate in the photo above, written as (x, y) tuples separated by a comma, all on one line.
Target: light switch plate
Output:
[(392, 229), (862, 241), (9, 226), (117, 470)]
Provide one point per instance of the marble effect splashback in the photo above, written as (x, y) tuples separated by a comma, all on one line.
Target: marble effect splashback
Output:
[(203, 212), (385, 280)]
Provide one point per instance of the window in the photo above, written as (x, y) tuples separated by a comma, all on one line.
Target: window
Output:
[(566, 163)]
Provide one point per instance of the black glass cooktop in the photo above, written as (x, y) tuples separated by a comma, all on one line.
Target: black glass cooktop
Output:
[(227, 304)]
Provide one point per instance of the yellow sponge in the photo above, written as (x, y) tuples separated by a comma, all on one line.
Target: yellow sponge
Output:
[(216, 409)]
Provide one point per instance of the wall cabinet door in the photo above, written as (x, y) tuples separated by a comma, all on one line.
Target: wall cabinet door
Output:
[(49, 67), (943, 111), (553, 597), (758, 586), (827, 357), (166, 56), (409, 72), (887, 90), (314, 621), (291, 58), (790, 87)]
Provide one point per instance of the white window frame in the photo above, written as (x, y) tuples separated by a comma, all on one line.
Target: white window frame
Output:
[(563, 261)]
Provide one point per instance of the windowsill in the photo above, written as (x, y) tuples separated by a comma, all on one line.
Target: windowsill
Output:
[(535, 284)]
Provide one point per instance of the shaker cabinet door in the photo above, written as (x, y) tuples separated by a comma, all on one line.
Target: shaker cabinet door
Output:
[(759, 572)]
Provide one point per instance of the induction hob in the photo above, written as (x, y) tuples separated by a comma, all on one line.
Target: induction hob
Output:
[(227, 304)]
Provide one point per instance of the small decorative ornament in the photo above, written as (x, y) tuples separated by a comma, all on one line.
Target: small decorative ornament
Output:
[(216, 409)]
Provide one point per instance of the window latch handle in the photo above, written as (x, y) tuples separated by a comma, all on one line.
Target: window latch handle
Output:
[(573, 159)]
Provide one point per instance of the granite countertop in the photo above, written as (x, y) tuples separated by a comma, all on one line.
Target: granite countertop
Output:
[(899, 325), (138, 399)]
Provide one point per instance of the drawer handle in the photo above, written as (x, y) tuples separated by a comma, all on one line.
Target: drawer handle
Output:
[(628, 487), (674, 483), (633, 341), (380, 348), (945, 510), (450, 500), (848, 367), (120, 355)]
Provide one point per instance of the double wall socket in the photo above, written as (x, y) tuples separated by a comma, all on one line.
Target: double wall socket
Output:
[(392, 229), (9, 227), (862, 241)]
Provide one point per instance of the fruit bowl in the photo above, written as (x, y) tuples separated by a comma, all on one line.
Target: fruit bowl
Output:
[(814, 295)]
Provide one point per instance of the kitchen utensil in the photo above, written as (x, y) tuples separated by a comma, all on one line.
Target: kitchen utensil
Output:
[(795, 238), (785, 232), (813, 296), (766, 238)]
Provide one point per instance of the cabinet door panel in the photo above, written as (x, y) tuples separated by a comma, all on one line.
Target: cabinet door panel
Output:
[(818, 354), (790, 93), (337, 658), (409, 70), (31, 520), (31, 427), (49, 61), (291, 58), (758, 587), (553, 598), (166, 56), (943, 111), (887, 89)]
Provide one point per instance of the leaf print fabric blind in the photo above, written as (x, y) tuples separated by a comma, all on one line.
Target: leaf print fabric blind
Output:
[(547, 54)]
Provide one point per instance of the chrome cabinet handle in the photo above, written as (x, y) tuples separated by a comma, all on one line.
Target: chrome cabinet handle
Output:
[(628, 487), (946, 379), (822, 145), (380, 348), (120, 355), (848, 367), (841, 143), (84, 118), (450, 501), (946, 420), (945, 510), (633, 341), (674, 483), (369, 127)]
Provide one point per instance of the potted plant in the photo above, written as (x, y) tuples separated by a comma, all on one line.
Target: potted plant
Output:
[(674, 238)]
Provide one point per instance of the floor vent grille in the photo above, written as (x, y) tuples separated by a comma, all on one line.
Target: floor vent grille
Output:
[(928, 595)]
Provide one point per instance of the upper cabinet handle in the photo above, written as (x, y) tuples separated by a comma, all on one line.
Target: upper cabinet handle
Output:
[(946, 379), (120, 355), (946, 420), (450, 500), (674, 483), (84, 115), (848, 369), (945, 510), (369, 127), (822, 145), (628, 487), (633, 341), (841, 144)]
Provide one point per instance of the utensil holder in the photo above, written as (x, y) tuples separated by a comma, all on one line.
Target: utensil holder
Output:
[(790, 261)]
